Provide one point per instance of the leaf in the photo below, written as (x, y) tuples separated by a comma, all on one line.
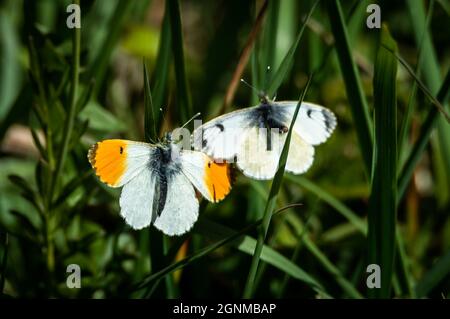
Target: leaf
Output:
[(21, 183), (231, 238), (101, 119), (161, 71), (149, 119), (383, 197), (10, 75), (355, 93), (25, 225), (434, 276), (422, 141), (70, 187), (344, 210), (288, 60), (247, 245), (3, 261), (183, 98)]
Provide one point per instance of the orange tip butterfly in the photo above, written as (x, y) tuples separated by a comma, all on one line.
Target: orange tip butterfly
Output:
[(159, 181)]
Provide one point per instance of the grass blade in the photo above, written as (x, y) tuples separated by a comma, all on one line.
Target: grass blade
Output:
[(244, 243), (161, 72), (184, 102), (424, 136), (432, 76), (383, 197), (288, 60), (149, 120), (100, 62), (423, 87), (346, 285), (355, 94), (434, 276), (247, 244), (270, 205), (243, 60), (345, 211), (3, 263)]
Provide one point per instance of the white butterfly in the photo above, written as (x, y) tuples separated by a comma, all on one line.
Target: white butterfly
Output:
[(242, 136), (159, 181)]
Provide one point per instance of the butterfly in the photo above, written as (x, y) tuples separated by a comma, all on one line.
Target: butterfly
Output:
[(253, 137), (159, 181)]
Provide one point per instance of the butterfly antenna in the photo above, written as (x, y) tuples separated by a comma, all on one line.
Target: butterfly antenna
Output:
[(164, 118), (192, 118), (262, 96), (267, 79)]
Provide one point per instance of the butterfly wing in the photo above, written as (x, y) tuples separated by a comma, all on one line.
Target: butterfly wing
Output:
[(180, 210), (257, 160), (314, 123), (211, 179), (116, 162), (258, 156), (137, 198), (220, 138)]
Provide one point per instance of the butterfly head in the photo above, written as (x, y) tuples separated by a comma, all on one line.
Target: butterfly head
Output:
[(263, 98)]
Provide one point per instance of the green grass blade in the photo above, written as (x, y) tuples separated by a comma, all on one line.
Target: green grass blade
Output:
[(270, 39), (303, 239), (271, 202), (161, 72), (423, 87), (101, 60), (3, 263), (355, 93), (247, 244), (434, 276), (183, 98), (424, 136), (344, 210), (170, 284), (382, 203), (346, 285), (224, 236), (10, 76), (406, 121), (432, 75), (149, 119), (288, 60)]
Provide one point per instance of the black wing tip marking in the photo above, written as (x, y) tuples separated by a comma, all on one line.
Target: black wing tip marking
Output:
[(329, 119)]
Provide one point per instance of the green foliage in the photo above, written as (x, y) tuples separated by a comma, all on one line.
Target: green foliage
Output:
[(365, 199), (383, 196)]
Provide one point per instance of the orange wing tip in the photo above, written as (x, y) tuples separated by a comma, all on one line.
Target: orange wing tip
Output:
[(108, 159), (218, 179)]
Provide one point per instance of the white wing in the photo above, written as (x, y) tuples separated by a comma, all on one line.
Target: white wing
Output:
[(222, 135), (181, 208), (255, 160), (136, 200), (314, 123)]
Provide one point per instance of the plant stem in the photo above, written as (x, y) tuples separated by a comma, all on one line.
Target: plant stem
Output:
[(70, 119)]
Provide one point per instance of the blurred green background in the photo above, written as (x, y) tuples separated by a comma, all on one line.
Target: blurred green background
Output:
[(60, 93)]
